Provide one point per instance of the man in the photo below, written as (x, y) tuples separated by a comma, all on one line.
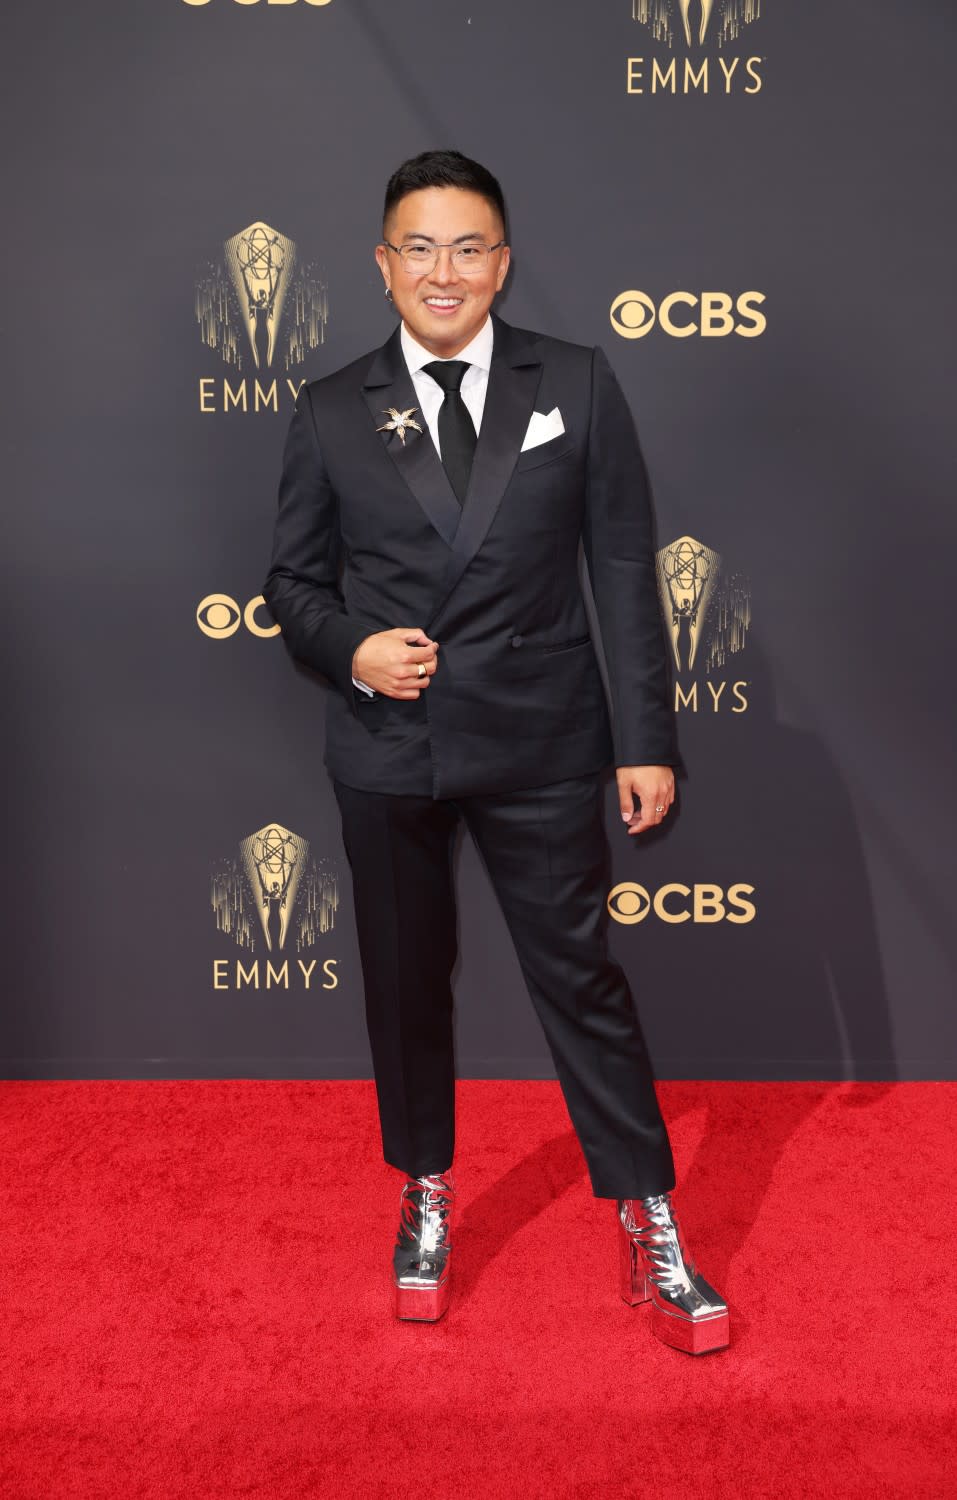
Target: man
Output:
[(432, 501)]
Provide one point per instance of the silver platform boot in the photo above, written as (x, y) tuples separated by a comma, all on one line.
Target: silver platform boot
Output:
[(686, 1312), (421, 1261)]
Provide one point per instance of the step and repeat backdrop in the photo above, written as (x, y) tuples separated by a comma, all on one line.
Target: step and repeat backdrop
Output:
[(744, 203)]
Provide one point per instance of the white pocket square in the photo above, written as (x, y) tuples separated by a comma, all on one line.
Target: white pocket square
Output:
[(543, 427)]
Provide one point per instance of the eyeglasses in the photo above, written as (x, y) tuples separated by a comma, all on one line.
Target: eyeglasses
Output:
[(419, 257)]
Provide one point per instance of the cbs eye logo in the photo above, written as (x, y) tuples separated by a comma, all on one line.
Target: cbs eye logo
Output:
[(633, 314), (257, 2), (219, 617), (674, 903)]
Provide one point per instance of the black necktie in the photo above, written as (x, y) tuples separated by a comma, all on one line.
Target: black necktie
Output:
[(456, 428)]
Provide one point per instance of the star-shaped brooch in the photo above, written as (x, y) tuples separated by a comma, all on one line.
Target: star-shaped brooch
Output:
[(400, 421)]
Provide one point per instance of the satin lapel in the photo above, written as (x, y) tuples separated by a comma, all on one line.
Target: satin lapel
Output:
[(512, 385), (388, 383)]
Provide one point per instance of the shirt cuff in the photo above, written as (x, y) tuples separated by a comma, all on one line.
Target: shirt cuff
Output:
[(364, 686)]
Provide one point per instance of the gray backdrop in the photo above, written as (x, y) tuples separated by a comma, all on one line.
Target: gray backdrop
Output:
[(171, 162)]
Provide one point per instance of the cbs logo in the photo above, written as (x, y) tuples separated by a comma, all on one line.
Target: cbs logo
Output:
[(219, 616), (675, 903), (633, 314), (257, 2)]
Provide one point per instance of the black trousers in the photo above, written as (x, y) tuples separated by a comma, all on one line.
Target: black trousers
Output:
[(547, 857)]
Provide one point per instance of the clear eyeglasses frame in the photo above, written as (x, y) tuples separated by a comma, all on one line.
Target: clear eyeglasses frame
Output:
[(420, 257)]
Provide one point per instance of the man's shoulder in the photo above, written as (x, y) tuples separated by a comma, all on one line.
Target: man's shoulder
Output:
[(546, 345)]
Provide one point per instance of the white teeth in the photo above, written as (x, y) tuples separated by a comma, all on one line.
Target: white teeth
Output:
[(443, 301)]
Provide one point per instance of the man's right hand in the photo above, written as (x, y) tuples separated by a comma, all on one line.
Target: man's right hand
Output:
[(388, 661)]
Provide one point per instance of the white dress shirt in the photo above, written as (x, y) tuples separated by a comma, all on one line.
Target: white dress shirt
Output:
[(478, 356)]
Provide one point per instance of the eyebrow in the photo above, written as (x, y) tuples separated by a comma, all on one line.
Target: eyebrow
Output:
[(459, 240)]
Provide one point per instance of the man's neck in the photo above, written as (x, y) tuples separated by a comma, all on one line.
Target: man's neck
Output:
[(446, 352)]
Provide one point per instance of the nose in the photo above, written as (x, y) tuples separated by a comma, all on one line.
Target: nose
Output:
[(444, 273)]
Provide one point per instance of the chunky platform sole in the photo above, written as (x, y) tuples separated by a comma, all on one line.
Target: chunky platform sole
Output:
[(690, 1335), (421, 1304)]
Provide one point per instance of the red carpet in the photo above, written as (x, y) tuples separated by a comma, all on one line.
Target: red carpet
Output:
[(196, 1299)]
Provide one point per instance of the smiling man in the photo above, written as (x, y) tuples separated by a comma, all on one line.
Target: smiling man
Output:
[(433, 498)]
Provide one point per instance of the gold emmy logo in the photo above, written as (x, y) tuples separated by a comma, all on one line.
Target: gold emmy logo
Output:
[(259, 305), (707, 612), (260, 261), (675, 904), (697, 23), (660, 17), (271, 894)]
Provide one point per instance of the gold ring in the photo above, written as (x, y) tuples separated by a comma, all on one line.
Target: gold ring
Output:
[(422, 670), (660, 809)]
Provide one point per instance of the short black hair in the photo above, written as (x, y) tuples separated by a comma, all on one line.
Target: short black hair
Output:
[(443, 169)]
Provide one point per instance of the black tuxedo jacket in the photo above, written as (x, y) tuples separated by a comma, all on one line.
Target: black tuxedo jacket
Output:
[(370, 536)]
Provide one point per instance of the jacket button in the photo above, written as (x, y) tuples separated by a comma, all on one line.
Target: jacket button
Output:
[(516, 640)]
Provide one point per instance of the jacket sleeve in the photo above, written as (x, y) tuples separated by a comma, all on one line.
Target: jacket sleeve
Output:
[(302, 587), (618, 539)]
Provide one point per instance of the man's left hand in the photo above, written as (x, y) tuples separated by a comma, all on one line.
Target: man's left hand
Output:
[(645, 794)]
